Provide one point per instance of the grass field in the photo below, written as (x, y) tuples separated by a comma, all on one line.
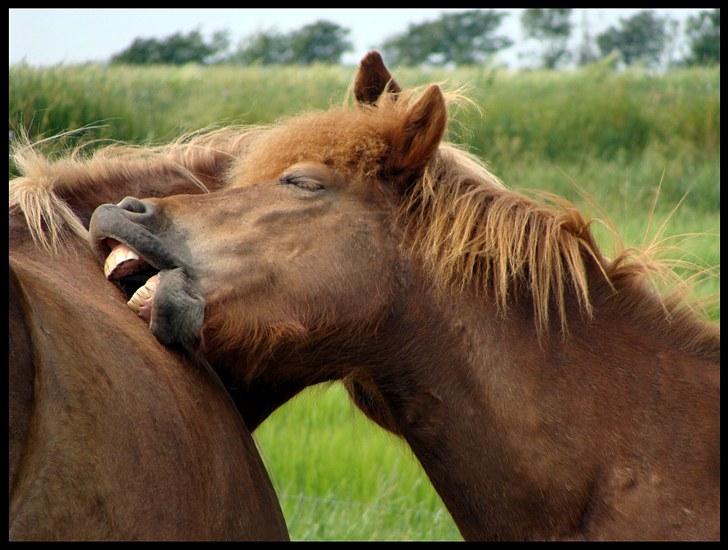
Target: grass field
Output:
[(615, 136)]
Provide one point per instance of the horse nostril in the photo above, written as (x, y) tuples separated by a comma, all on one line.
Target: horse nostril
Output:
[(131, 204)]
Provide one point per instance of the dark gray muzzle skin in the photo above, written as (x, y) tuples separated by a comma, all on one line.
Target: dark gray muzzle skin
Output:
[(179, 309)]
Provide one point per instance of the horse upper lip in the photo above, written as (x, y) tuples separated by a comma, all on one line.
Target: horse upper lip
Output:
[(109, 221)]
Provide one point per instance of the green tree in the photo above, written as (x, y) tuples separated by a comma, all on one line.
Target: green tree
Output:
[(552, 26), (176, 49), (322, 41), (264, 48), (461, 38), (642, 37), (703, 32)]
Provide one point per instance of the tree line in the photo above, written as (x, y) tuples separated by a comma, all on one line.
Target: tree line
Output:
[(462, 38)]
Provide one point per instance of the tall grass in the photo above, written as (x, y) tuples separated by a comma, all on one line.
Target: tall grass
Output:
[(575, 117), (612, 137)]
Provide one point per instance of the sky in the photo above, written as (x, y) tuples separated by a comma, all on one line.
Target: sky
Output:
[(42, 36)]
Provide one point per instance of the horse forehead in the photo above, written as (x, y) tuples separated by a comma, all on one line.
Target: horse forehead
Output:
[(346, 143)]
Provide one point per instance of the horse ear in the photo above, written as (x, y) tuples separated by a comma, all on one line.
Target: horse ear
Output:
[(373, 79), (419, 136)]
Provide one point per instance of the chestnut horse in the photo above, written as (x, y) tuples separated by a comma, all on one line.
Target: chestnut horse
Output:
[(547, 390), (112, 435)]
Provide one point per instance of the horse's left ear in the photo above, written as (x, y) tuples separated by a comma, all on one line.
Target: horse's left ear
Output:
[(373, 79), (419, 135)]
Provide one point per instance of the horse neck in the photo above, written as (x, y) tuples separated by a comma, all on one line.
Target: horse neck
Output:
[(520, 438)]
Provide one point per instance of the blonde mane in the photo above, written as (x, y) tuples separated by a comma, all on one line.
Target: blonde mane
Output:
[(473, 232), (46, 188)]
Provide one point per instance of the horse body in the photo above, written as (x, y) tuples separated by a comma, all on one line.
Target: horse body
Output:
[(546, 392), (112, 435)]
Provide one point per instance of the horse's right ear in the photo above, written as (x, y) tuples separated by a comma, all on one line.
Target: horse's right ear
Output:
[(373, 79), (418, 136)]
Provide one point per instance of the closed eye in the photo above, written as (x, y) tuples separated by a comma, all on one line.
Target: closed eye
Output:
[(303, 182)]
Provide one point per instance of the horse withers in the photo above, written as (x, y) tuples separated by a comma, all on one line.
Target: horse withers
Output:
[(547, 391), (113, 436)]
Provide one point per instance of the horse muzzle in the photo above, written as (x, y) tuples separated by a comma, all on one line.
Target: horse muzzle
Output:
[(146, 258)]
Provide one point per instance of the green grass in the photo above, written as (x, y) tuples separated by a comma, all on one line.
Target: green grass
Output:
[(613, 137), (340, 477)]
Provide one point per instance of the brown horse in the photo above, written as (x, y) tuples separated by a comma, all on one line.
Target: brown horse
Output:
[(547, 391), (112, 435)]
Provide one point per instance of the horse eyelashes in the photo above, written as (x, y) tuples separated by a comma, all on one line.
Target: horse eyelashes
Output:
[(309, 184)]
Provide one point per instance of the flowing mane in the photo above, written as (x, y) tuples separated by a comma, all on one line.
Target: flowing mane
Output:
[(473, 232)]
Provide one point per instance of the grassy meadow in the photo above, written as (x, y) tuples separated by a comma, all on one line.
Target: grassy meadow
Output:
[(607, 141)]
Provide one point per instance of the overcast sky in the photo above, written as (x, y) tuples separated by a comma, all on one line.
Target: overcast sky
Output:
[(50, 36)]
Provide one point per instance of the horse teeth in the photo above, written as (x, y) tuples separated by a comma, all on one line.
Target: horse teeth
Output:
[(134, 305), (152, 282), (140, 302), (119, 255)]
